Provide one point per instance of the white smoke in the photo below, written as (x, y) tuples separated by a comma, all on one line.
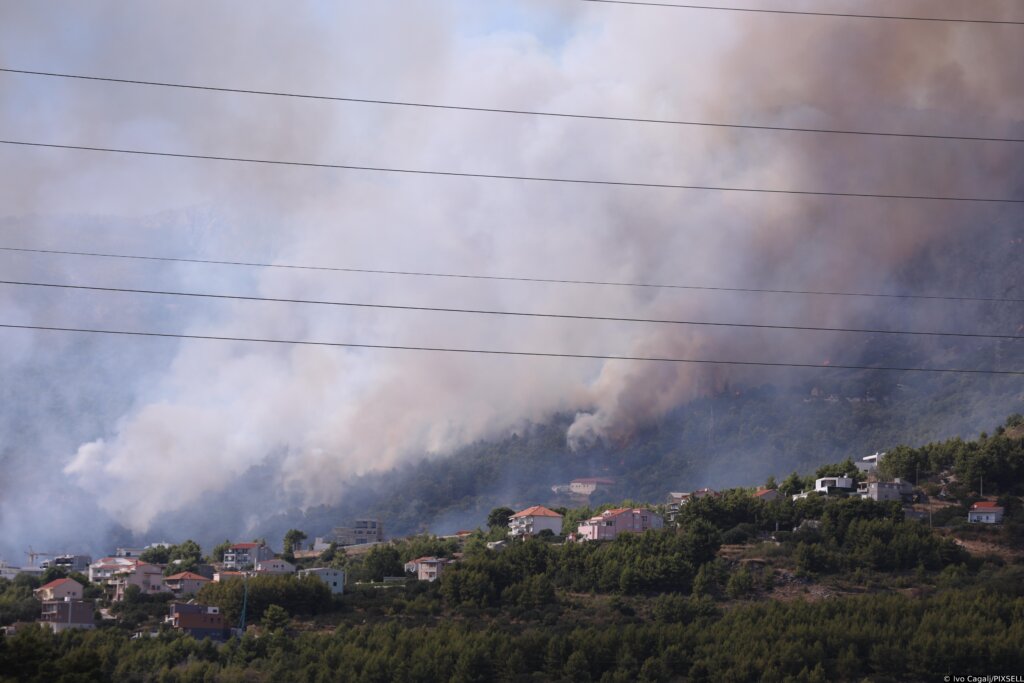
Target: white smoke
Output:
[(201, 413)]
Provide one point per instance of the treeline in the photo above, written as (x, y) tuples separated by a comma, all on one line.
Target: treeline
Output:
[(890, 637), (995, 463)]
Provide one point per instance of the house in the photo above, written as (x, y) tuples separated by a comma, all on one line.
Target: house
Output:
[(985, 512), (70, 563), (413, 566), (611, 523), (431, 568), (533, 520), (897, 489), (199, 621), (588, 485), (185, 583), (60, 615), (869, 463), (767, 495), (246, 555), (104, 569), (148, 577), (274, 566), (59, 589), (677, 499), (8, 571), (362, 532), (828, 484), (332, 578)]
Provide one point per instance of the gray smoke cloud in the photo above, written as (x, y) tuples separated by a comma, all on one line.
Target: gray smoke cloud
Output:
[(131, 430)]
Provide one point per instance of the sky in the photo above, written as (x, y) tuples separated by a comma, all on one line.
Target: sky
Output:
[(103, 431)]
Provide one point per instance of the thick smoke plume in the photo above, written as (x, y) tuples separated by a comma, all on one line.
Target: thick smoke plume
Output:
[(133, 429)]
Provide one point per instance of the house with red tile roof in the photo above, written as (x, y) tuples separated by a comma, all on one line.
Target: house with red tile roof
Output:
[(610, 523), (59, 589), (185, 583), (985, 512), (767, 495), (533, 520)]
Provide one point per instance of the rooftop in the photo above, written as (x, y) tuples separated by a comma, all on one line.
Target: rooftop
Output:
[(536, 511)]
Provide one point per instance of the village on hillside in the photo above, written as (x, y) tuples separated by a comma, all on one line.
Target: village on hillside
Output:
[(76, 592)]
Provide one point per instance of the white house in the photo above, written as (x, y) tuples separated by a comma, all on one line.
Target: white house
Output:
[(245, 555), (332, 578), (533, 520), (275, 566), (985, 512), (869, 463), (825, 484), (587, 485)]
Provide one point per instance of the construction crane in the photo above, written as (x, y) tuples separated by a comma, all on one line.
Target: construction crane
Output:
[(33, 554)]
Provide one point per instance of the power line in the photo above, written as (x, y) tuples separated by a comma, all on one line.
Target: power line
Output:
[(505, 278), (845, 15), (497, 176), (517, 314), (520, 112), (494, 352)]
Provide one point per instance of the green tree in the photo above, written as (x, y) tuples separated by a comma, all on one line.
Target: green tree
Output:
[(381, 561), (293, 541), (275, 618), (498, 517)]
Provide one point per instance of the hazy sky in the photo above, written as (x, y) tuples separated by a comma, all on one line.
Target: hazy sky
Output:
[(97, 430)]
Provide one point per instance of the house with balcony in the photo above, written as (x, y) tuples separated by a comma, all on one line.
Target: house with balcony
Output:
[(533, 520), (246, 555), (199, 621), (610, 523), (149, 578), (60, 615), (185, 583)]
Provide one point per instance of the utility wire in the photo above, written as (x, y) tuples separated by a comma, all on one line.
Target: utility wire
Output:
[(503, 278), (846, 15), (518, 314), (520, 112), (497, 176), (493, 352)]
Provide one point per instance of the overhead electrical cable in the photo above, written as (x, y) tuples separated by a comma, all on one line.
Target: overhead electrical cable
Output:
[(845, 15), (497, 176), (507, 278), (518, 314), (519, 112), (498, 352)]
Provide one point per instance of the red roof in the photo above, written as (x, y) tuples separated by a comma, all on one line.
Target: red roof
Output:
[(245, 546), (763, 492), (536, 511), (186, 575), (55, 583), (986, 505)]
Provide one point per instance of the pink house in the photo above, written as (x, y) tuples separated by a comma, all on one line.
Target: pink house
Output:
[(611, 523), (185, 583), (148, 577), (59, 589)]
